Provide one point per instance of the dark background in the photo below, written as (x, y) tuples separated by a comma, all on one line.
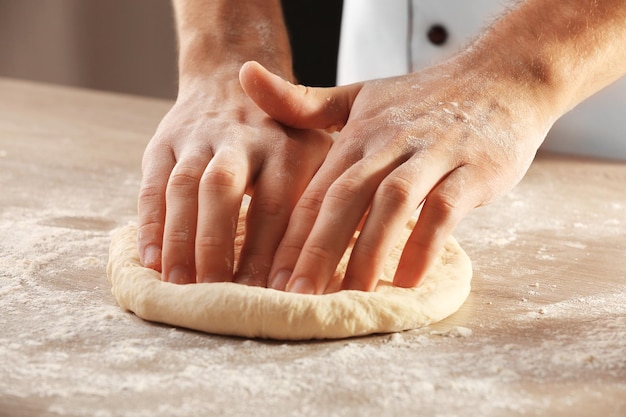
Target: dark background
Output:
[(314, 27)]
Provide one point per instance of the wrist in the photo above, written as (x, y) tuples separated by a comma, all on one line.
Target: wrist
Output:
[(202, 55), (216, 37), (515, 70), (521, 80), (203, 70)]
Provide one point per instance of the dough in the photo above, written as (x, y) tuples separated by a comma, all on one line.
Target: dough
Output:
[(240, 310)]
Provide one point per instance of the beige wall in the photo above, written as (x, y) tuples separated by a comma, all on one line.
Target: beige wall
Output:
[(118, 45)]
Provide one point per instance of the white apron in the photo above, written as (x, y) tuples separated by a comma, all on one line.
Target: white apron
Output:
[(382, 38)]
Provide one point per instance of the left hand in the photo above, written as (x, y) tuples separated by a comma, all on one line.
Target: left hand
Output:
[(447, 139)]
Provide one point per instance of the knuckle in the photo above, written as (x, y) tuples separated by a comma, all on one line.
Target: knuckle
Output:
[(150, 194), (359, 127), (446, 202), (150, 220), (158, 144), (345, 190), (179, 237), (218, 177), (318, 253), (396, 189), (151, 211), (311, 201), (290, 248), (183, 177), (156, 150), (209, 243)]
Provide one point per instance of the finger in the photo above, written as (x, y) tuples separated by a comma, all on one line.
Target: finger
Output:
[(302, 220), (443, 209), (276, 191), (343, 207), (157, 164), (296, 105), (180, 220), (396, 200), (220, 193)]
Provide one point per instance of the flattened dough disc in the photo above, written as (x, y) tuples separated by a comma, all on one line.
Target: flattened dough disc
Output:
[(240, 310)]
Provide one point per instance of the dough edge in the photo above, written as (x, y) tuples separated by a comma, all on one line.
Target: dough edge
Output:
[(255, 312)]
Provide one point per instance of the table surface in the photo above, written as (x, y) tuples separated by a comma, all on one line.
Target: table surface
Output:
[(543, 332)]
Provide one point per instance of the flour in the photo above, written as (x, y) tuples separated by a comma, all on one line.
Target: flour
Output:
[(67, 348), (456, 331)]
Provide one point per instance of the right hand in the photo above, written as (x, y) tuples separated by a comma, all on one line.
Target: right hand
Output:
[(443, 141), (212, 147)]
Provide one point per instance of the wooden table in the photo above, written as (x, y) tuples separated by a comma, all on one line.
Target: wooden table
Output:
[(543, 332)]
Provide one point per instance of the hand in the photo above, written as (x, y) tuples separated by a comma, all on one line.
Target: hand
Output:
[(446, 140), (213, 146)]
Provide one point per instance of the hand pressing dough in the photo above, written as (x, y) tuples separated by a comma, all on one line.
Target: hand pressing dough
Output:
[(240, 310)]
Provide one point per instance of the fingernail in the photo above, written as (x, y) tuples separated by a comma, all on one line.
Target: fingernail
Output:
[(152, 256), (280, 279), (302, 286), (178, 275)]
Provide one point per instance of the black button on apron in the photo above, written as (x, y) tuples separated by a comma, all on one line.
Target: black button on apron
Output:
[(437, 35)]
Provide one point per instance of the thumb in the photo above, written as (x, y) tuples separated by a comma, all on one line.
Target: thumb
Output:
[(298, 106)]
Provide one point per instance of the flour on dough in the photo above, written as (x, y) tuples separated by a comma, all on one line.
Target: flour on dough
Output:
[(240, 310)]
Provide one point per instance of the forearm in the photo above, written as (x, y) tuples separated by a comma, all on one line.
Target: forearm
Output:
[(563, 51), (217, 36)]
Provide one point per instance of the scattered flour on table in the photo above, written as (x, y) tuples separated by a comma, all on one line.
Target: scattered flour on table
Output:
[(65, 341), (456, 331)]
